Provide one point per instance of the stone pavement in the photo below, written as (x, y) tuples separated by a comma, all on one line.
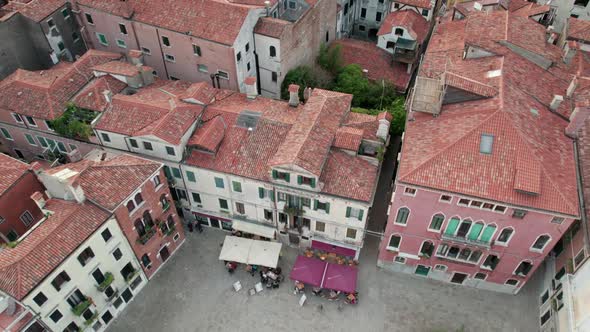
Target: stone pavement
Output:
[(193, 293)]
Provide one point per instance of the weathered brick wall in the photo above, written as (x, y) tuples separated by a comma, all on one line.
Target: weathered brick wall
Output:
[(16, 200)]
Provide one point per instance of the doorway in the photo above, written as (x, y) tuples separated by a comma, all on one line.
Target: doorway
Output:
[(214, 222), (373, 34), (127, 295), (458, 278), (294, 238), (19, 154), (422, 270), (164, 253)]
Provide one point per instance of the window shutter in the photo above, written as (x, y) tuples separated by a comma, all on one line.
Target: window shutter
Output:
[(167, 172), (475, 231), (260, 192), (274, 174), (452, 226), (348, 211), (299, 179), (287, 177), (361, 214), (272, 195), (487, 233), (313, 182), (315, 204), (327, 207)]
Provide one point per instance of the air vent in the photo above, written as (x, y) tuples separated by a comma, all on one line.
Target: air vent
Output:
[(248, 119)]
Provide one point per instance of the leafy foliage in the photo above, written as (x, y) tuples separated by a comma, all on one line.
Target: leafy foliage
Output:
[(367, 94), (74, 123), (330, 59)]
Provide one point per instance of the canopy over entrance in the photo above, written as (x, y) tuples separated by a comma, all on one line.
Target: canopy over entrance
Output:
[(340, 277), (251, 228), (333, 248), (253, 252), (309, 271)]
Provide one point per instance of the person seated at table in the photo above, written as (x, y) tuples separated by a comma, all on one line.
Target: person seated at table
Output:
[(351, 298), (317, 291), (231, 266), (299, 287), (333, 295)]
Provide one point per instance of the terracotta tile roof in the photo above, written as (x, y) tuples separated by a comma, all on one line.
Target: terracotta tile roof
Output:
[(118, 68), (154, 110), (527, 136), (414, 23), (309, 140), (348, 138), (212, 20), (378, 62), (578, 29), (367, 123), (48, 245), (348, 176), (467, 7), (469, 85), (43, 94), (257, 3), (92, 98), (209, 135), (385, 115), (36, 10), (416, 3), (271, 27), (584, 160), (110, 182), (10, 171), (201, 92)]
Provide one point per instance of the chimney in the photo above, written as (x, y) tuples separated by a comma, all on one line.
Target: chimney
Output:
[(251, 88), (39, 199), (384, 119), (557, 99), (477, 6), (136, 57), (293, 95), (108, 96), (307, 93), (569, 51), (36, 167), (572, 87)]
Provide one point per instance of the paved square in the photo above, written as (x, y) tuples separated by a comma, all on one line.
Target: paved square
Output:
[(193, 292)]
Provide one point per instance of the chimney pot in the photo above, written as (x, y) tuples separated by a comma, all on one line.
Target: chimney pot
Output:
[(108, 96), (572, 87), (39, 199), (556, 102), (293, 95), (251, 88)]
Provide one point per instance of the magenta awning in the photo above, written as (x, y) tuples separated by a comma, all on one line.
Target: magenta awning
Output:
[(341, 278), (309, 271), (332, 248)]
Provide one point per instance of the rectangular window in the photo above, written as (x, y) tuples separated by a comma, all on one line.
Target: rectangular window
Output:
[(42, 141), (196, 50), (169, 57), (121, 43), (6, 134), (89, 18), (196, 198), (202, 68), (557, 220), (26, 218), (486, 143), (425, 12), (176, 173), (519, 214), (268, 214), (66, 13), (223, 74), (50, 23), (40, 299), (306, 202), (240, 208), (148, 146), (73, 147), (320, 226), (273, 76), (85, 256), (122, 28), (363, 12), (248, 66), (56, 316), (146, 51), (106, 235), (17, 118), (463, 201), (31, 121), (445, 198), (170, 151), (105, 137), (223, 204), (61, 147), (410, 191), (354, 213), (165, 41), (219, 183), (190, 176), (325, 206), (281, 176), (378, 16), (133, 143), (30, 139), (237, 186), (117, 254), (351, 233), (60, 280), (247, 47), (102, 39)]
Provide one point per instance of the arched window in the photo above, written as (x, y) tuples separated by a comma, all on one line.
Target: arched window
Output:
[(138, 198), (505, 235), (475, 256), (170, 222), (147, 219), (436, 222), (541, 242), (139, 227), (327, 36), (523, 269), (475, 231), (130, 206), (464, 228), (427, 248), (164, 202), (488, 233), (273, 51), (452, 226), (402, 216), (464, 254), (394, 242)]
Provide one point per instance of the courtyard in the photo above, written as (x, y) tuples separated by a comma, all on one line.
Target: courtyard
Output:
[(193, 292)]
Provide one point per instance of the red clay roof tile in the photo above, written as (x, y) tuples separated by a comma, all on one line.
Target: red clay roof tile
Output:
[(10, 171), (415, 23)]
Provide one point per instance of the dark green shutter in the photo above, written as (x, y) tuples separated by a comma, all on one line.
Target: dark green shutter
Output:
[(167, 172), (361, 214), (327, 207), (313, 183), (487, 233), (348, 211), (299, 179), (475, 231), (452, 226), (315, 204), (272, 195), (287, 177), (261, 192), (274, 174)]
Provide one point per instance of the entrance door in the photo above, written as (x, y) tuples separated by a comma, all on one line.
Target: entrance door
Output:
[(294, 238), (458, 278), (127, 295), (164, 254), (422, 270), (214, 222)]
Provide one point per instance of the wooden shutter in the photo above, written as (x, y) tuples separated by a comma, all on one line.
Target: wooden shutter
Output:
[(486, 236), (274, 174), (299, 179), (361, 214), (327, 207), (452, 226), (313, 182), (260, 192), (348, 211), (475, 231), (315, 204), (287, 177)]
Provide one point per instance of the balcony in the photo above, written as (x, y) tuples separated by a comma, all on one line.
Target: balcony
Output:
[(406, 50), (149, 233), (465, 240), (166, 206), (108, 280), (130, 276), (91, 320), (81, 307), (170, 230)]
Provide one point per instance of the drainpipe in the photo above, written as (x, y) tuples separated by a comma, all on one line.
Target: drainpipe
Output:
[(583, 217), (162, 53)]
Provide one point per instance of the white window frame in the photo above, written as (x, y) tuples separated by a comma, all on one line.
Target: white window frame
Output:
[(398, 245), (146, 51), (168, 56), (202, 71), (505, 244), (47, 125), (543, 314), (407, 218), (162, 39), (399, 260), (11, 138), (123, 24), (443, 269), (66, 11), (15, 115), (54, 27), (476, 273), (515, 286), (222, 71), (32, 138), (406, 189), (315, 226), (98, 34), (420, 254), (519, 263), (34, 124), (30, 214), (582, 251), (355, 234), (443, 201), (441, 225), (544, 246), (121, 43)]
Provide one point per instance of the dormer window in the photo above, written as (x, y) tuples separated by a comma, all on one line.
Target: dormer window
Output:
[(486, 143), (281, 176), (304, 180), (399, 32)]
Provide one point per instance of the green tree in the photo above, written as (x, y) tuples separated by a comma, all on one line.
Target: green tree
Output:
[(398, 111), (352, 80), (74, 123), (330, 58), (302, 76)]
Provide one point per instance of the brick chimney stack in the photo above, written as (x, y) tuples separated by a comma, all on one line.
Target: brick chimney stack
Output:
[(293, 95)]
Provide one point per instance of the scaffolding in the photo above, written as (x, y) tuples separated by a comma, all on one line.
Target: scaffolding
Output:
[(429, 89)]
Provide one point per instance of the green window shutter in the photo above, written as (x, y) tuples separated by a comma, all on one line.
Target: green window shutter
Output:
[(272, 195), (190, 176), (327, 207), (475, 231), (167, 172), (452, 226), (176, 173), (313, 183), (237, 186), (348, 211), (260, 192), (287, 177), (486, 236), (30, 139), (274, 174), (299, 179), (315, 204), (219, 183), (361, 214)]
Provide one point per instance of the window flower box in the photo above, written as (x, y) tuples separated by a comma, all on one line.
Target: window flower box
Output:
[(108, 280), (81, 307)]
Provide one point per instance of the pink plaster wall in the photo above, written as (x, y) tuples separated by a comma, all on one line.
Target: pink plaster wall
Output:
[(426, 204), (108, 25)]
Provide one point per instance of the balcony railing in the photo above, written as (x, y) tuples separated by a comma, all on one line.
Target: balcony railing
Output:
[(465, 240), (81, 307), (108, 280), (91, 319), (171, 230), (131, 275), (149, 233), (166, 206)]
